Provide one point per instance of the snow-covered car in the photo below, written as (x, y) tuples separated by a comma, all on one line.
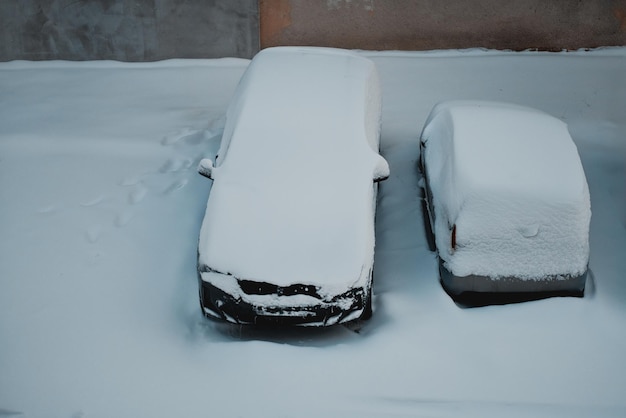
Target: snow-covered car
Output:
[(288, 233), (507, 199)]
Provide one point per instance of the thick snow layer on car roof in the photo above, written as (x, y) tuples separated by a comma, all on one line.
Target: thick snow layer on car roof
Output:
[(509, 180), (292, 200)]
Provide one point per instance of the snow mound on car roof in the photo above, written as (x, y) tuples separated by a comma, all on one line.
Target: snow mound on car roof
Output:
[(509, 182), (292, 200)]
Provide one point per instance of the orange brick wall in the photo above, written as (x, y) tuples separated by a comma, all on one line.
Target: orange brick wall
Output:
[(443, 24)]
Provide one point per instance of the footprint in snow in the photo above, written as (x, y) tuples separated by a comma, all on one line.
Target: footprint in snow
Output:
[(196, 138), (93, 233), (173, 138), (178, 184), (175, 164), (123, 218), (93, 202), (529, 231), (130, 181), (187, 135), (137, 195), (191, 136)]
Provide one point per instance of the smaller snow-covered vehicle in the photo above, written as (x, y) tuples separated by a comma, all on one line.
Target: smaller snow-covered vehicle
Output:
[(288, 233), (507, 199)]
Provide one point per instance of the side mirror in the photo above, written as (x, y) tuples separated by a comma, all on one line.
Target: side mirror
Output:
[(206, 168), (381, 171)]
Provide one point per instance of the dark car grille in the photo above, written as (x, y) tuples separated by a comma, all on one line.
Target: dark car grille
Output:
[(236, 310), (250, 287)]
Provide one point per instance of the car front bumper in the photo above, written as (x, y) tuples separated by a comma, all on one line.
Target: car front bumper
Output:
[(265, 308), (558, 285)]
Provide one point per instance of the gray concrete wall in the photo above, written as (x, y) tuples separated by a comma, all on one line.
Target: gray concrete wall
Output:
[(444, 24), (127, 30)]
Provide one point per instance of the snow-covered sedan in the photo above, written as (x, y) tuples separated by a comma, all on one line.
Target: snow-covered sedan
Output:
[(508, 199), (288, 233)]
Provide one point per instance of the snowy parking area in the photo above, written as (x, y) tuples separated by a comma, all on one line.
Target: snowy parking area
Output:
[(100, 213)]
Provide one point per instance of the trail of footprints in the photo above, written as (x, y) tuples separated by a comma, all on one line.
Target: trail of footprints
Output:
[(140, 187)]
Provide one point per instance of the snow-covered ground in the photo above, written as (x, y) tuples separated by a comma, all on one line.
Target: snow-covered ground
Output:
[(101, 209)]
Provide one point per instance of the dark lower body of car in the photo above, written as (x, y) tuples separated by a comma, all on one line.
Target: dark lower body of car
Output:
[(476, 290), (216, 303)]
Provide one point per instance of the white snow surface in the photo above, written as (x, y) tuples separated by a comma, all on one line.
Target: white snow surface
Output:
[(100, 217), (291, 200), (509, 181)]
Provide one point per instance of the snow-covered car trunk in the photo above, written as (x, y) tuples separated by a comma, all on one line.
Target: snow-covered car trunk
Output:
[(288, 232), (507, 197)]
